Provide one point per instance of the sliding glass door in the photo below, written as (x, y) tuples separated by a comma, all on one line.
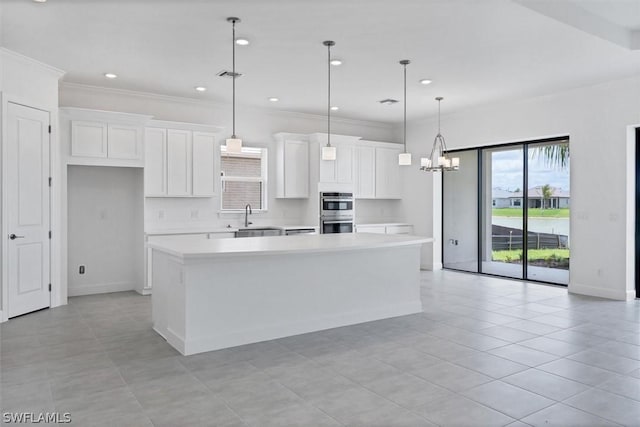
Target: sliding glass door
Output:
[(548, 206), (502, 213), (506, 211)]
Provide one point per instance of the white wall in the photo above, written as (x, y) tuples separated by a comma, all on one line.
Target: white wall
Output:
[(255, 126), (105, 229), (596, 119)]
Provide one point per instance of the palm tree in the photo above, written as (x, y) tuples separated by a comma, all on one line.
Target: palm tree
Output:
[(547, 192), (554, 154)]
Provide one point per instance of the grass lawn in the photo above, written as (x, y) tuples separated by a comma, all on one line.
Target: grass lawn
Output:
[(533, 212), (507, 256)]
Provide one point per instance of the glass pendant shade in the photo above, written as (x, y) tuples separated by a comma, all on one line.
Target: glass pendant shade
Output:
[(234, 145), (329, 153), (404, 159)]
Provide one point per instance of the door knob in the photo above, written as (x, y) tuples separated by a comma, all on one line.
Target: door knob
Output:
[(14, 237)]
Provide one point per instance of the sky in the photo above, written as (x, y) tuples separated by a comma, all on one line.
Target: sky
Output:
[(507, 172)]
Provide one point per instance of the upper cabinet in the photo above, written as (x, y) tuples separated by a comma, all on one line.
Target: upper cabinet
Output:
[(340, 170), (369, 169), (180, 160), (365, 172), (388, 183), (102, 138), (292, 166)]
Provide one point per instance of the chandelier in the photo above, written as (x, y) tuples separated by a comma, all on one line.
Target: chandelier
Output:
[(441, 162)]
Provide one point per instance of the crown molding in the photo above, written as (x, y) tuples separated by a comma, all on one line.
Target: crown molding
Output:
[(208, 103), (27, 60)]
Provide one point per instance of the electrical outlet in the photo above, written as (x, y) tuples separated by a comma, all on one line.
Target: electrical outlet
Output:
[(81, 269), (160, 214), (195, 214)]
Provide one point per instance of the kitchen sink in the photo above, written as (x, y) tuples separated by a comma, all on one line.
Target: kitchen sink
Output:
[(259, 232)]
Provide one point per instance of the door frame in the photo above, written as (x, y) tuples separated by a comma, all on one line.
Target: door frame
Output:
[(54, 203), (633, 212)]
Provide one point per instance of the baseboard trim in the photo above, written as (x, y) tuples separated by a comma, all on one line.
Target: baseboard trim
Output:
[(593, 291), (2, 318), (101, 288), (145, 291), (216, 342)]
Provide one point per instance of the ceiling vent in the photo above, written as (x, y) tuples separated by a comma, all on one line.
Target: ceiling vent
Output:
[(388, 101), (225, 73)]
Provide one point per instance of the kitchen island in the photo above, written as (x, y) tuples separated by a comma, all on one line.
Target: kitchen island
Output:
[(220, 293)]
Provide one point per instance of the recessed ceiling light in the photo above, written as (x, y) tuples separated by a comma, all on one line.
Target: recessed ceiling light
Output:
[(336, 62), (335, 108), (200, 88), (425, 81), (274, 99), (111, 75), (388, 101), (242, 41), (39, 1)]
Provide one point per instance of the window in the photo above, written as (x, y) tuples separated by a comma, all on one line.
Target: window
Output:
[(243, 178)]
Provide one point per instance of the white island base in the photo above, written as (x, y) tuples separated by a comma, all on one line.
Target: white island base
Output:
[(222, 293)]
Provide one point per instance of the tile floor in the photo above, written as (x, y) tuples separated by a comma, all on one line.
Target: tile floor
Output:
[(485, 352)]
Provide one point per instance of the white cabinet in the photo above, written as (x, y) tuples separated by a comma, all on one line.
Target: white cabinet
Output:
[(102, 138), (339, 171), (385, 228), (365, 172), (204, 159), (388, 183), (106, 140), (292, 167), (88, 139), (124, 142), (180, 160), (376, 229), (399, 229), (155, 167)]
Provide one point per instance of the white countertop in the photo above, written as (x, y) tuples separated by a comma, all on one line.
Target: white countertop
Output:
[(201, 230), (382, 224), (305, 243)]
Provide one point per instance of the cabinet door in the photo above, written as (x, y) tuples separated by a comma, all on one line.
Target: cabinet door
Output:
[(88, 139), (376, 229), (204, 152), (365, 161), (296, 169), (344, 163), (399, 229), (124, 142), (327, 168), (388, 185), (155, 162), (178, 162)]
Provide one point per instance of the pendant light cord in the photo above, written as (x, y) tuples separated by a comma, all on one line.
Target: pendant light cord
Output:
[(233, 56), (405, 108), (328, 95)]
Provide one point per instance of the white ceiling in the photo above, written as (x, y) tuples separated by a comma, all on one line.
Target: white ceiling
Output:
[(476, 52)]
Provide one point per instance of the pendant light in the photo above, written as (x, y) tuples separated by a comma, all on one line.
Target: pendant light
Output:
[(442, 162), (328, 151), (234, 144), (404, 159)]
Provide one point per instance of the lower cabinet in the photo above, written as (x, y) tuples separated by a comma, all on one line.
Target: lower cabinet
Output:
[(385, 228)]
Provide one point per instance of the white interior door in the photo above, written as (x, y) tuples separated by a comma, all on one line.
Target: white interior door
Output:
[(27, 209)]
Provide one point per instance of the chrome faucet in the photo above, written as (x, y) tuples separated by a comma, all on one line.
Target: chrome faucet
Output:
[(247, 212)]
